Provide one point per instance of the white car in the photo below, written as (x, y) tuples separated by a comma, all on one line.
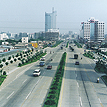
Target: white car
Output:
[(37, 72)]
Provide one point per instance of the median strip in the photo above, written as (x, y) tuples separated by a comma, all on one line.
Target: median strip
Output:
[(54, 91)]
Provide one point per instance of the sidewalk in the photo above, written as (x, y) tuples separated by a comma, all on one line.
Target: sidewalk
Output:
[(11, 67)]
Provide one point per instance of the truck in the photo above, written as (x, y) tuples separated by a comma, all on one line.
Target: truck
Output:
[(75, 56)]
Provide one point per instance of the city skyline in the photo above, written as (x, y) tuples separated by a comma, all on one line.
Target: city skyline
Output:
[(29, 16)]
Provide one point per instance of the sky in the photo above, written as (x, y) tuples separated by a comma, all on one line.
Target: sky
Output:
[(29, 15)]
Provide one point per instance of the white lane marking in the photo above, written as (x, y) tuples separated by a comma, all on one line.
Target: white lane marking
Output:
[(80, 102), (10, 95), (99, 100), (77, 84), (31, 90), (76, 75), (24, 81), (28, 95), (17, 76)]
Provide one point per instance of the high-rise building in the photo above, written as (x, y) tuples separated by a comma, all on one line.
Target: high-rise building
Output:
[(93, 30), (50, 20)]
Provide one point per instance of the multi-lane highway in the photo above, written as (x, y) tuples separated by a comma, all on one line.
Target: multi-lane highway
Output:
[(21, 89), (79, 87)]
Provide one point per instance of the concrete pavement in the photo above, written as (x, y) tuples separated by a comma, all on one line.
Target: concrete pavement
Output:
[(79, 87)]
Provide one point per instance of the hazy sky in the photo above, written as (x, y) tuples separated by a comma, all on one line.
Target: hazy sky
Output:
[(29, 15)]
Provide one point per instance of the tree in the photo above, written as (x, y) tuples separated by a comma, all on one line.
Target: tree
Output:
[(19, 64), (32, 49), (9, 57), (15, 59), (1, 65), (4, 59), (13, 56), (11, 61), (19, 58), (6, 63), (4, 72)]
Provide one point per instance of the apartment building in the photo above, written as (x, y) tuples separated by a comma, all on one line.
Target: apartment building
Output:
[(93, 30)]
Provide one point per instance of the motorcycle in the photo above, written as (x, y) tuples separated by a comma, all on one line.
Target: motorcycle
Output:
[(97, 80)]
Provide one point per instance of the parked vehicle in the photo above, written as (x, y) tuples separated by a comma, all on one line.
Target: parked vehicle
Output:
[(49, 67), (37, 72), (75, 56)]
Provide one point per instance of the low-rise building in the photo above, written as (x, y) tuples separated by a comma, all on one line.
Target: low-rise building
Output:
[(52, 35)]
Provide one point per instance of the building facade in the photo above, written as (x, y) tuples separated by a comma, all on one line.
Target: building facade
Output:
[(50, 20), (93, 30), (52, 35), (24, 39)]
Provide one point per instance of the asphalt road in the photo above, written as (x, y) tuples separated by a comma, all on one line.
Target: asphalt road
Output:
[(79, 87), (21, 89)]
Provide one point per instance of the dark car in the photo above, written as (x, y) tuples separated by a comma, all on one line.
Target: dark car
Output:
[(76, 63), (49, 67)]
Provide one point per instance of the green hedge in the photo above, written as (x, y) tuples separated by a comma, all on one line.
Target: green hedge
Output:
[(100, 67), (31, 60), (78, 44), (89, 55), (54, 92), (67, 44), (2, 78)]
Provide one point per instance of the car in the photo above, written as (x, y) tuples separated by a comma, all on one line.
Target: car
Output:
[(49, 67), (43, 56), (42, 63), (36, 72), (42, 59), (76, 63)]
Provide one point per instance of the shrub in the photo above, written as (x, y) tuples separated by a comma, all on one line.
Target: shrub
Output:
[(11, 61), (1, 65), (4, 72), (19, 58), (4, 60), (9, 57), (52, 96), (19, 64), (6, 63), (15, 59), (50, 102)]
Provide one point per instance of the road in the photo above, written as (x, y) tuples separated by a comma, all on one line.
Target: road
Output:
[(79, 87), (21, 89)]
